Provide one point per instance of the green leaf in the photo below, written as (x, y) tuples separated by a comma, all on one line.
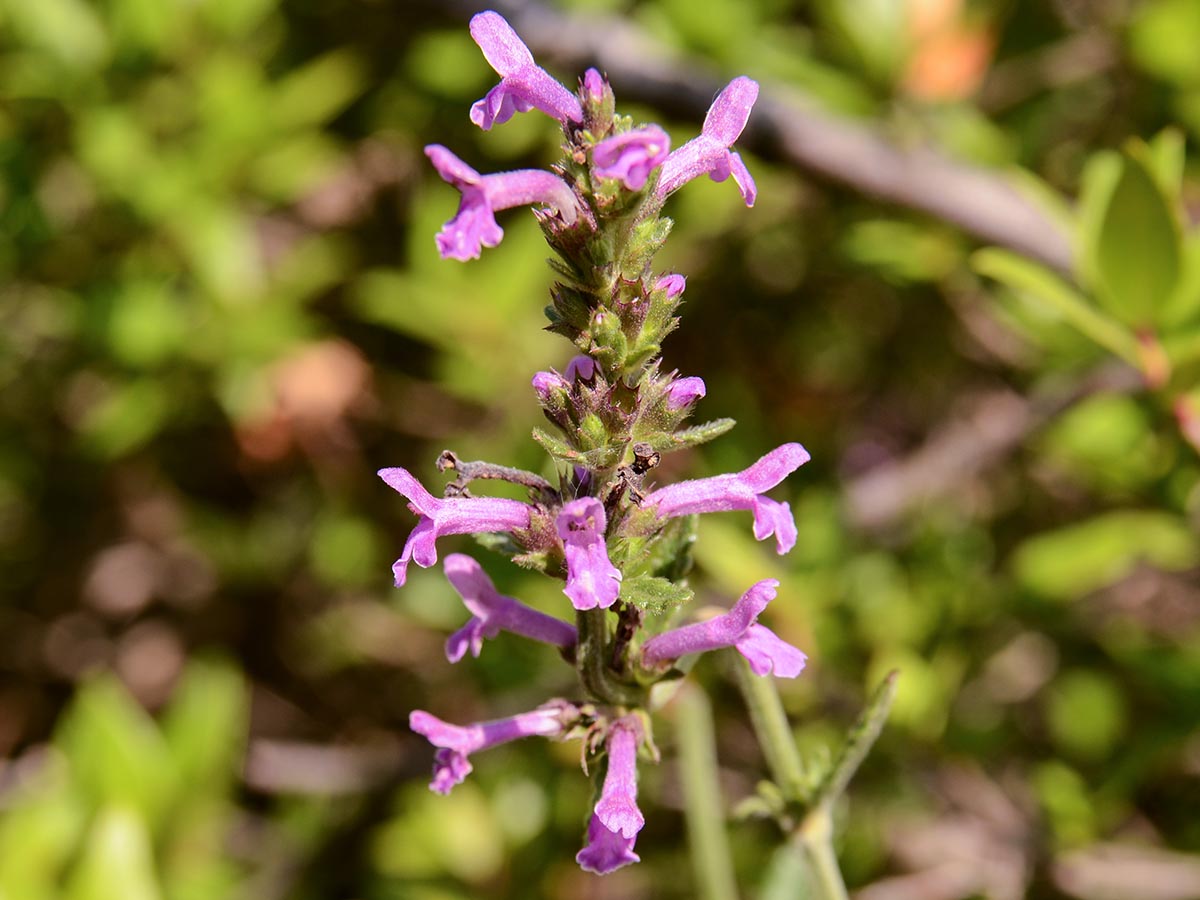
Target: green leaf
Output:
[(206, 724), (694, 436), (117, 861), (1184, 306), (669, 552), (116, 753), (1165, 154), (1078, 559), (1034, 279), (656, 596), (1135, 250)]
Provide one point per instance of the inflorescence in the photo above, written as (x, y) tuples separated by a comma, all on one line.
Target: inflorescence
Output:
[(622, 549)]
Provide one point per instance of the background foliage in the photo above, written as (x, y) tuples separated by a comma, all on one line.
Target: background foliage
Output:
[(222, 310)]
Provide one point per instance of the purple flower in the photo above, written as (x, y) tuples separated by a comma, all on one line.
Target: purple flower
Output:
[(457, 742), (454, 515), (606, 851), (593, 83), (709, 154), (592, 580), (684, 392), (616, 820), (581, 366), (672, 284), (550, 387), (474, 225), (492, 612), (741, 490), (523, 84), (632, 156), (617, 807), (764, 650)]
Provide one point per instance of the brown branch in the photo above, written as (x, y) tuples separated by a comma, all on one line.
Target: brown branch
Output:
[(997, 423), (788, 127)]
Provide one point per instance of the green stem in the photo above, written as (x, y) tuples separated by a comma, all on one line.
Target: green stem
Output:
[(589, 652), (712, 862), (815, 838), (772, 728)]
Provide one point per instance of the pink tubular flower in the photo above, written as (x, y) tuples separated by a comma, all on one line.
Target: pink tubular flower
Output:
[(632, 156), (457, 742), (684, 392), (474, 225), (616, 819), (592, 580), (492, 612), (709, 154), (454, 515), (741, 490), (764, 650), (523, 84)]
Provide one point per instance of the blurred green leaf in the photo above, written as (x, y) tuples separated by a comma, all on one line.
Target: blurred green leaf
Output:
[(70, 29), (1163, 37), (130, 415), (40, 827), (345, 550), (1076, 559), (1064, 797), (117, 860), (316, 91), (1029, 277), (1132, 242), (205, 727), (1107, 442), (117, 755), (1086, 713)]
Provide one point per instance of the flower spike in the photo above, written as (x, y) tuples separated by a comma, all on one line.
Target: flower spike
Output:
[(453, 515), (492, 612), (764, 650), (523, 84), (710, 153), (456, 742), (592, 580), (474, 225), (741, 490)]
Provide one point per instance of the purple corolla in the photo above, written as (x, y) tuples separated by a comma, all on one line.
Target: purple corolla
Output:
[(632, 156), (741, 490), (763, 649), (492, 612), (523, 84), (710, 153), (616, 820), (592, 580), (451, 515), (474, 226), (457, 742)]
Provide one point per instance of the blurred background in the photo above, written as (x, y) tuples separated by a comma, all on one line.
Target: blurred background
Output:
[(221, 310)]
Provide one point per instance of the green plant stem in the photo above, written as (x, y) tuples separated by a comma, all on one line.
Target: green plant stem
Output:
[(772, 728), (815, 838), (712, 862)]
